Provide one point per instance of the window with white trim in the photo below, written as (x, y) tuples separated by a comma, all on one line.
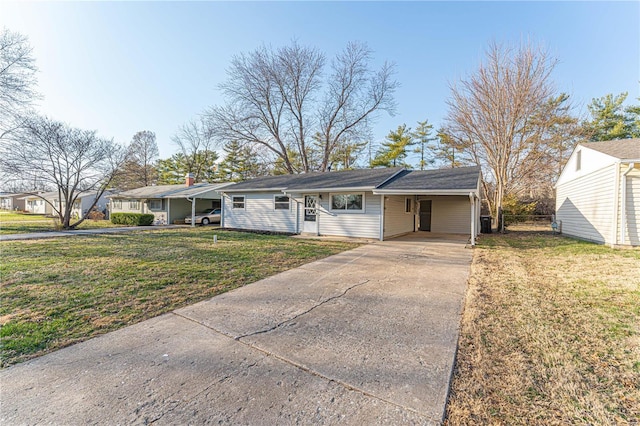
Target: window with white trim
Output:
[(116, 204), (237, 201), (578, 160), (281, 202), (134, 204), (347, 202), (408, 205), (155, 204)]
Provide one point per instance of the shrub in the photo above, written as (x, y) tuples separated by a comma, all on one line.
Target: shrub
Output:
[(134, 219), (95, 215), (516, 211)]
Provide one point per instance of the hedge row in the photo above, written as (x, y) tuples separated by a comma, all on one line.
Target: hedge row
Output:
[(136, 219)]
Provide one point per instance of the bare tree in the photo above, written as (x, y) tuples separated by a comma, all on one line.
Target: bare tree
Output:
[(278, 99), (196, 144), (501, 116), (17, 79), (70, 160)]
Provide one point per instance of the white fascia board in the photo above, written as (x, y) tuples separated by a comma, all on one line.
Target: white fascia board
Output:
[(241, 191), (315, 190), (423, 192)]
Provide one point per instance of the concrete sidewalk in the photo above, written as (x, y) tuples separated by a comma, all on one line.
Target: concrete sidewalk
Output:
[(363, 337)]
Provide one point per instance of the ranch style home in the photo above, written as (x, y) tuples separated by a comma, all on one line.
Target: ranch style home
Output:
[(168, 203), (598, 193), (47, 203), (368, 203)]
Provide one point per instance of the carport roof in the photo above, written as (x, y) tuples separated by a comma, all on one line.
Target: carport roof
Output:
[(461, 179), (169, 191)]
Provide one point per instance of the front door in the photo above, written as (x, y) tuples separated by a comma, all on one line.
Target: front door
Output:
[(425, 215), (309, 223)]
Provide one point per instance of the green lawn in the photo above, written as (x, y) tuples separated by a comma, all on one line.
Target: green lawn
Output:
[(21, 223), (55, 292), (550, 334)]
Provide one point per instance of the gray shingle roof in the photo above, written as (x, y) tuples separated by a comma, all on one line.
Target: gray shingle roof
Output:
[(361, 178), (461, 178), (386, 179), (169, 191), (620, 148)]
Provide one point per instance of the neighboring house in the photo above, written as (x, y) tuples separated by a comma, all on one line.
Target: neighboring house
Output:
[(35, 203), (12, 201), (367, 203), (598, 193), (47, 203), (168, 203)]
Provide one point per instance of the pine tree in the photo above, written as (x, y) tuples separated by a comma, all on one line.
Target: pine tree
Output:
[(394, 151), (423, 138)]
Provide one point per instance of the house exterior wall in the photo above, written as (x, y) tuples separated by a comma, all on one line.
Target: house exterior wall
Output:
[(585, 205), (450, 214), (590, 161), (350, 224), (396, 220), (259, 213), (630, 226), (37, 206)]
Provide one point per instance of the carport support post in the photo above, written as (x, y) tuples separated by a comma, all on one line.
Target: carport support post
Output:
[(193, 212), (473, 219)]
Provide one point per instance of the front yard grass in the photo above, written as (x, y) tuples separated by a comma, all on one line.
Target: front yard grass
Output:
[(19, 223), (550, 334), (56, 292)]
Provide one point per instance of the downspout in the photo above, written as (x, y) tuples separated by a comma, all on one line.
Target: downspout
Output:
[(623, 211), (168, 211), (616, 199), (473, 219)]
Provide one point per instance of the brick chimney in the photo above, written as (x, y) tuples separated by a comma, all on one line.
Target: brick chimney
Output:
[(189, 179)]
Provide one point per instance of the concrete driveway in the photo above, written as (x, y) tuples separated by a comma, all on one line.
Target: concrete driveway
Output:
[(363, 337)]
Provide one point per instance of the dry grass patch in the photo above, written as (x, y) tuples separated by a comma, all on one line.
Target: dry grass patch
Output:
[(55, 292), (550, 334)]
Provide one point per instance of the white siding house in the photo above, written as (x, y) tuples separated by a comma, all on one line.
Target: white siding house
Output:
[(598, 193), (168, 203), (367, 203)]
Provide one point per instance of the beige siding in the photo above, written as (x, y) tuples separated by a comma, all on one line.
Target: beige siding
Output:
[(585, 205), (450, 214), (396, 220), (361, 225), (259, 214), (632, 207)]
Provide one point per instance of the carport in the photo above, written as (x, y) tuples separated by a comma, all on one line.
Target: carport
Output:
[(437, 201)]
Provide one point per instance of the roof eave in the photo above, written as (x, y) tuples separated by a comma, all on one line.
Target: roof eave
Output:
[(424, 192)]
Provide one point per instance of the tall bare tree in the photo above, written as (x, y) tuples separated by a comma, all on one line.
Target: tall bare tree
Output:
[(280, 100), (501, 114), (68, 159), (196, 144), (17, 79)]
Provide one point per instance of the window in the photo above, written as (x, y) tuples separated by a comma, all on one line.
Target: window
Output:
[(237, 201), (578, 160), (408, 205), (155, 204), (134, 204), (347, 202), (116, 204), (281, 202)]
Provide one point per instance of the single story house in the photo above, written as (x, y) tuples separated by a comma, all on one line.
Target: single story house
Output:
[(12, 201), (48, 203), (368, 203), (168, 203), (598, 193)]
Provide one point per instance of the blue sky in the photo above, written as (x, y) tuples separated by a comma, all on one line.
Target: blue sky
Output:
[(120, 67)]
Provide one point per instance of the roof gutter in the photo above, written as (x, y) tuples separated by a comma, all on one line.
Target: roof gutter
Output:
[(423, 192)]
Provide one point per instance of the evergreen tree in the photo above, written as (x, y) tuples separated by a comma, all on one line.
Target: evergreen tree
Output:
[(611, 120), (240, 163), (394, 151), (423, 138), (172, 171)]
